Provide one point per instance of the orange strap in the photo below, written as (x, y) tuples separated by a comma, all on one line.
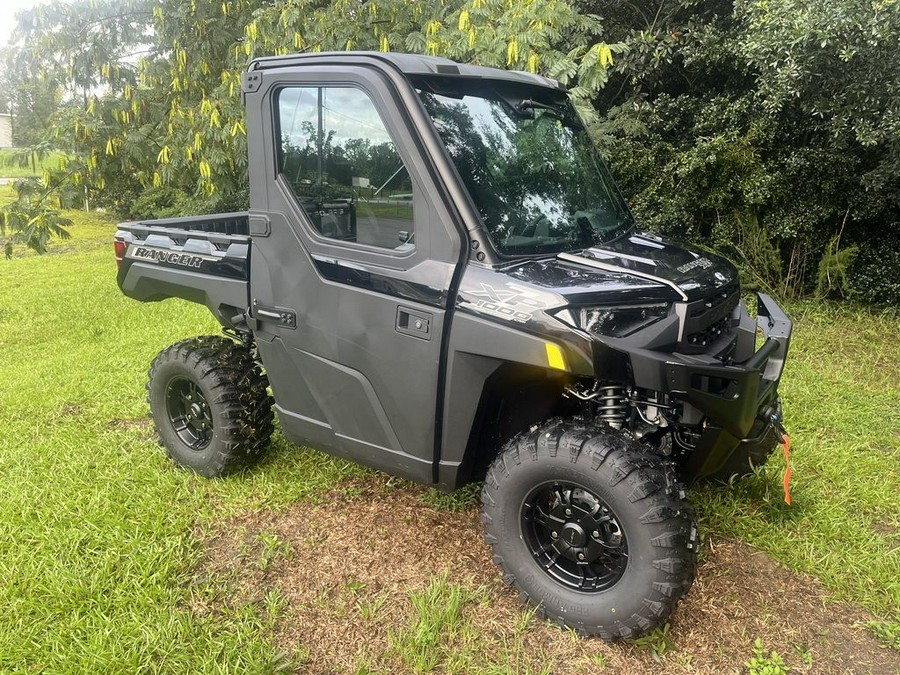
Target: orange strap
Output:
[(786, 444)]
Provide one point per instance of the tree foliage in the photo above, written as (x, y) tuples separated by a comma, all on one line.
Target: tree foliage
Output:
[(153, 86), (30, 221), (764, 127)]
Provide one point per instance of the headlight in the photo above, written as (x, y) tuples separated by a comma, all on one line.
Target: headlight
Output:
[(614, 321)]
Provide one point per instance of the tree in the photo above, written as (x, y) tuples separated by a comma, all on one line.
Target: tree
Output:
[(31, 220), (62, 55), (32, 101), (172, 119), (767, 128)]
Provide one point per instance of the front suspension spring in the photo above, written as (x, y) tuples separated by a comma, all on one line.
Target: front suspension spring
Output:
[(612, 406)]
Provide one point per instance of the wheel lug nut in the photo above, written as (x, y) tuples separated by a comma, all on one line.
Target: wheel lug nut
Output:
[(554, 535), (581, 556), (568, 512), (595, 534)]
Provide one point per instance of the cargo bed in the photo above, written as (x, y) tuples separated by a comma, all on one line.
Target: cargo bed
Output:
[(203, 259)]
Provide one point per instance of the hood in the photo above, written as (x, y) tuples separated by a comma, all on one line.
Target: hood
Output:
[(637, 268)]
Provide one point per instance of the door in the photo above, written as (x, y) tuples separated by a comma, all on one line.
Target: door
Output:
[(351, 263)]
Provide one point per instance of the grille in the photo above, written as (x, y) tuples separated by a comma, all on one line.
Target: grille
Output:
[(710, 334), (708, 322)]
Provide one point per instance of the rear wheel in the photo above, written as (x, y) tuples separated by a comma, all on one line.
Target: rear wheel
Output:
[(591, 528), (210, 404)]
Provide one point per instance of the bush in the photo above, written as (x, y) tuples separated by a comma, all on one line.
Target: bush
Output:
[(170, 202), (874, 277), (155, 202)]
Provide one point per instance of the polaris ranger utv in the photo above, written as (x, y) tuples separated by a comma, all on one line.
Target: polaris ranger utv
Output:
[(438, 278)]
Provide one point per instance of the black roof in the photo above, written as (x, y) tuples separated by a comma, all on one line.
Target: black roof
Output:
[(409, 64)]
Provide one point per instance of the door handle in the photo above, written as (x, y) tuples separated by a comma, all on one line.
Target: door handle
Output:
[(414, 323), (286, 318)]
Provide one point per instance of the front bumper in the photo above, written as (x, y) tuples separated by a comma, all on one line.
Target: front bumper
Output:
[(730, 396), (737, 403)]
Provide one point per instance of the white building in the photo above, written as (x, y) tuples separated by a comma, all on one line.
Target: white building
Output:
[(5, 130)]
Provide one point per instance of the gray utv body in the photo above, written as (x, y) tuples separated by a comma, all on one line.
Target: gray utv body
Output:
[(408, 362)]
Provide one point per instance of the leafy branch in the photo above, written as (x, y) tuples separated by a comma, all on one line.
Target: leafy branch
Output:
[(28, 221)]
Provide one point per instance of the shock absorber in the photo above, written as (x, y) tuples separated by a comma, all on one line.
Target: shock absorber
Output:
[(612, 406)]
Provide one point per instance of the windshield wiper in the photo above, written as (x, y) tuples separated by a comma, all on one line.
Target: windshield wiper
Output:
[(527, 104), (560, 111)]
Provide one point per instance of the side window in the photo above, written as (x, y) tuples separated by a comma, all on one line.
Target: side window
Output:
[(343, 167)]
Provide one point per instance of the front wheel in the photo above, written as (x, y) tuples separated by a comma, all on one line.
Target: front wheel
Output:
[(590, 528)]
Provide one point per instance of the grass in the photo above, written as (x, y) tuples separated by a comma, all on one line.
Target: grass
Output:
[(461, 500), (437, 628), (442, 635), (765, 663), (100, 535), (888, 632), (657, 642), (11, 163)]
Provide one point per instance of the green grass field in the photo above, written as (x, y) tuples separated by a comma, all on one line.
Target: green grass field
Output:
[(11, 164), (100, 536)]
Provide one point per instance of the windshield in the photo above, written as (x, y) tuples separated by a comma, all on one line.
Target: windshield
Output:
[(529, 165)]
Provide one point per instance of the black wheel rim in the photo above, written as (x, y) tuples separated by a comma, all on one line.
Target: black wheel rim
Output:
[(189, 413), (574, 536)]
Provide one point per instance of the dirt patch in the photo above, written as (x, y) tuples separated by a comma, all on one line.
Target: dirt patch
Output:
[(127, 424), (888, 529), (70, 410), (65, 413), (142, 425), (346, 570)]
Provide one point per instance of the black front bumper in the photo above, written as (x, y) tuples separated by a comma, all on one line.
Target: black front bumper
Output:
[(738, 403)]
